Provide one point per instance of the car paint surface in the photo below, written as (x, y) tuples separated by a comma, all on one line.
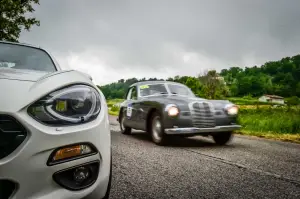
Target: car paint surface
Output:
[(27, 164)]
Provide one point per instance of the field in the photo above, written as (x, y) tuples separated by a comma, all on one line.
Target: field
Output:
[(258, 119), (113, 109)]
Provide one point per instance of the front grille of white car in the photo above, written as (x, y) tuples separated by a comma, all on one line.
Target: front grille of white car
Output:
[(12, 134), (203, 114)]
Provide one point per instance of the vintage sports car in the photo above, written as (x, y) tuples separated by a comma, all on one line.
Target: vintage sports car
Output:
[(166, 109), (55, 139)]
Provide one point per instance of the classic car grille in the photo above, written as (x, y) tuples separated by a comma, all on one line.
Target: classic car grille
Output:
[(6, 189), (203, 115), (12, 134)]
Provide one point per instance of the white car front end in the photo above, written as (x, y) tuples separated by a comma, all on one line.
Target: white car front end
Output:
[(46, 150)]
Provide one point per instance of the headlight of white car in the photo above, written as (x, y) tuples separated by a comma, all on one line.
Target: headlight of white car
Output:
[(71, 105)]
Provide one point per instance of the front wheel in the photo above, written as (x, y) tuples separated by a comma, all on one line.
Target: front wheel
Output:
[(157, 130), (124, 129), (222, 138)]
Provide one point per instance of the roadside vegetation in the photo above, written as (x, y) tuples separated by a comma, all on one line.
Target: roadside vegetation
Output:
[(281, 123), (113, 108)]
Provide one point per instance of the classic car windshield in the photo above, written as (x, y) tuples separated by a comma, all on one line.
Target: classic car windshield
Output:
[(180, 90), (152, 89), (24, 57)]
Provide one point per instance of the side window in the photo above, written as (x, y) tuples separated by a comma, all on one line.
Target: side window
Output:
[(128, 94), (132, 94)]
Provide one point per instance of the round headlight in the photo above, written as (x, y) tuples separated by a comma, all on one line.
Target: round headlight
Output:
[(74, 104), (172, 110), (232, 110)]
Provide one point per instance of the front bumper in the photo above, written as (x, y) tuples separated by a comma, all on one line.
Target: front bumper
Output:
[(27, 165), (199, 131)]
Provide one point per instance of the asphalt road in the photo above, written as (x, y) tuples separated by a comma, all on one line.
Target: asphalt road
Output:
[(196, 168)]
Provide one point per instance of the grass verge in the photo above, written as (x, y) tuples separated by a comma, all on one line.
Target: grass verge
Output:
[(286, 137), (115, 113)]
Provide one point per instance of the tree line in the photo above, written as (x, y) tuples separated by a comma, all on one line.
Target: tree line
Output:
[(280, 77)]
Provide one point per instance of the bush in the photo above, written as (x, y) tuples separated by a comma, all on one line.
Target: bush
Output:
[(248, 97), (293, 101)]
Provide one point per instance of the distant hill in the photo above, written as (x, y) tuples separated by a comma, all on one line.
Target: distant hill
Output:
[(280, 77)]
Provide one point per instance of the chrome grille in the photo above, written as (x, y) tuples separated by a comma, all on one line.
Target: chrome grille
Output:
[(203, 114), (12, 134)]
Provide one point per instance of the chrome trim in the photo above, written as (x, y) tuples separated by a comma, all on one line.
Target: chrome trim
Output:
[(169, 106), (194, 130), (204, 115)]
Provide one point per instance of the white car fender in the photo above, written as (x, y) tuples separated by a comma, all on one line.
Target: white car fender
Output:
[(23, 93)]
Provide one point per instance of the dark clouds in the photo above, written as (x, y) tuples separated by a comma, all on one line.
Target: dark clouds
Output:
[(152, 37)]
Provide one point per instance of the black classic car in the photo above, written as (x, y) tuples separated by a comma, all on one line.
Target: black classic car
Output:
[(164, 109)]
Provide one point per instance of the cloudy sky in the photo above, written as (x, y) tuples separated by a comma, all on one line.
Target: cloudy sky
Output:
[(114, 39)]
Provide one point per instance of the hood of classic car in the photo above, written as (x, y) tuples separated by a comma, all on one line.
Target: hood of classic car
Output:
[(185, 100)]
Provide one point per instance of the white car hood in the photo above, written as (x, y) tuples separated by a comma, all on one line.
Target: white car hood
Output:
[(24, 75), (20, 88)]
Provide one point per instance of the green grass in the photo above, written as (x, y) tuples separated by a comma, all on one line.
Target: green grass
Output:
[(248, 101), (115, 113), (113, 110), (281, 123), (271, 120)]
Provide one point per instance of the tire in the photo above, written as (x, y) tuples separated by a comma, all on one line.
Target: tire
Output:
[(222, 138), (157, 129), (124, 129)]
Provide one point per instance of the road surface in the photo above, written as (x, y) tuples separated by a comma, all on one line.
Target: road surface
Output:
[(196, 168)]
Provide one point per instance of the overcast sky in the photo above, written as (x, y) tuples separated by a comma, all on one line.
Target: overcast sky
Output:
[(114, 39)]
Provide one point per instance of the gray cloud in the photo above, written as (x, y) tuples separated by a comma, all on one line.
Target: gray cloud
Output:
[(152, 37)]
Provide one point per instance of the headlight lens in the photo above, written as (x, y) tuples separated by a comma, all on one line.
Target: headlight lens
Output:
[(172, 110), (232, 109), (71, 105)]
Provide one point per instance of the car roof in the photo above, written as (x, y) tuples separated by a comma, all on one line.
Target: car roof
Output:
[(153, 82), (21, 44)]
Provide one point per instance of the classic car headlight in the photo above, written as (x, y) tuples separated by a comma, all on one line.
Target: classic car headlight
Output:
[(71, 105), (172, 110), (232, 109)]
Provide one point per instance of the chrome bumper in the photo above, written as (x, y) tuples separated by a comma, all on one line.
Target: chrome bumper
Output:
[(194, 130)]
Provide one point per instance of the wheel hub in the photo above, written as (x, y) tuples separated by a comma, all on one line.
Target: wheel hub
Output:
[(156, 129)]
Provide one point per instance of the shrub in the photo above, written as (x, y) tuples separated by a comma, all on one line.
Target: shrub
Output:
[(293, 101)]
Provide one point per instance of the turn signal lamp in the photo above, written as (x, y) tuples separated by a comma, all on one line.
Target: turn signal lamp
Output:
[(69, 153)]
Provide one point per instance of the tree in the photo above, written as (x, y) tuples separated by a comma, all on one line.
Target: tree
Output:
[(13, 18), (213, 86)]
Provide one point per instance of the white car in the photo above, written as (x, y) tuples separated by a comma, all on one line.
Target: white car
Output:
[(55, 139)]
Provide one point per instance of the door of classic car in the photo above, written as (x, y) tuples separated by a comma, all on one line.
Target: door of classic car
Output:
[(132, 107)]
